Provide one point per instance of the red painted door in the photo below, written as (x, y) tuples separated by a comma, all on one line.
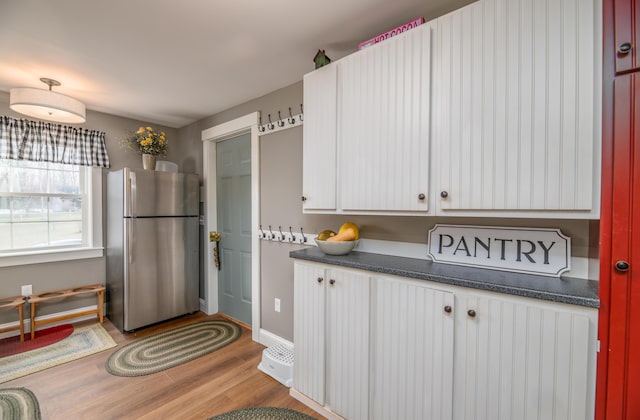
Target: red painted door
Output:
[(627, 35), (623, 266)]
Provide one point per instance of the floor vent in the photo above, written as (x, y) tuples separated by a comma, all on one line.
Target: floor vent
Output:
[(277, 361)]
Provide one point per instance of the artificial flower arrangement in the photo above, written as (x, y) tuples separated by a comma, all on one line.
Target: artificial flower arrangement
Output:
[(147, 141)]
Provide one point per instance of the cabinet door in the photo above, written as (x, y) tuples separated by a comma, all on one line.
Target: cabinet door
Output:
[(319, 140), (627, 35), (308, 331), (622, 293), (347, 344), (517, 360), (517, 110), (384, 125), (411, 351)]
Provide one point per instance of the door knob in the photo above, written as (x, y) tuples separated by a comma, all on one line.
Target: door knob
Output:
[(622, 266), (471, 313), (625, 48), (332, 282), (447, 309), (320, 279), (421, 196), (444, 194)]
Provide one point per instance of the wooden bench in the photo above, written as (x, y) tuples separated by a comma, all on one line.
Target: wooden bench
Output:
[(36, 298), (18, 303)]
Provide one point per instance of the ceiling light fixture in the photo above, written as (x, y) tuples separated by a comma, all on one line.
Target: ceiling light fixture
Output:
[(47, 104)]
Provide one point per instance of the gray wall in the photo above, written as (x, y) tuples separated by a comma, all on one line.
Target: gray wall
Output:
[(281, 188), (65, 274)]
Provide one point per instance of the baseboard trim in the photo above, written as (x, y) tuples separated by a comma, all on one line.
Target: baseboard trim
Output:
[(270, 339), (27, 321), (314, 405)]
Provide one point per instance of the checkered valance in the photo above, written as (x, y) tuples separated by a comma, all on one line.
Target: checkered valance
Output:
[(39, 141)]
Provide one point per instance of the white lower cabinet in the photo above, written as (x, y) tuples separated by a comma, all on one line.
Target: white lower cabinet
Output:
[(331, 332), (412, 330), (522, 359), (371, 346)]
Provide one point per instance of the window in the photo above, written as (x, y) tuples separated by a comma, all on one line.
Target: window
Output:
[(48, 212)]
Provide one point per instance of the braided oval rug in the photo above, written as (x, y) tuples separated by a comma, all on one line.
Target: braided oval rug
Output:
[(18, 404), (172, 348), (263, 413)]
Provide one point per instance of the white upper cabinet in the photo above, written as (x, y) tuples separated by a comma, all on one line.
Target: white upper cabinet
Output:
[(319, 140), (383, 135), (366, 130), (517, 109)]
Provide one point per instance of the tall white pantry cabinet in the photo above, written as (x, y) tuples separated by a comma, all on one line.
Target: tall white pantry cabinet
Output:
[(494, 107)]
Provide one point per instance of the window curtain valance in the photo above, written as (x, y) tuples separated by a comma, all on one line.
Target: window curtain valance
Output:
[(39, 141)]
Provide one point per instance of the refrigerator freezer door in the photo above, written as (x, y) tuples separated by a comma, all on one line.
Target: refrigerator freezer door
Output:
[(153, 193), (161, 269)]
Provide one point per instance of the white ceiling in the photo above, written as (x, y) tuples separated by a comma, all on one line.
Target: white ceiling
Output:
[(174, 62)]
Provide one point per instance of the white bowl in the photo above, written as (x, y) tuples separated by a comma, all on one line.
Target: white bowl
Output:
[(336, 248)]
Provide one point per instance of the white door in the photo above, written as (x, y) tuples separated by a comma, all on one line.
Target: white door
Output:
[(347, 346), (319, 140), (233, 185), (383, 135), (412, 330), (516, 360), (308, 330), (516, 114)]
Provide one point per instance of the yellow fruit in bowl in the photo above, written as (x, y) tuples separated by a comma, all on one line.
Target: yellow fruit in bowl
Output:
[(325, 234), (348, 232), (353, 227)]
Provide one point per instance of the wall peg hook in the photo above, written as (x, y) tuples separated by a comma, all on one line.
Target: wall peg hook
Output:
[(291, 119), (280, 120), (270, 125), (303, 238)]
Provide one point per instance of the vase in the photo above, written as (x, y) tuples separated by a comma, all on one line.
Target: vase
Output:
[(149, 162)]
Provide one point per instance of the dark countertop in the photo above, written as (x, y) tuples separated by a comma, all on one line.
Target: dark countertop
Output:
[(565, 289)]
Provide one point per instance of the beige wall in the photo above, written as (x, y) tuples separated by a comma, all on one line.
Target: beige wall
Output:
[(281, 188), (65, 274)]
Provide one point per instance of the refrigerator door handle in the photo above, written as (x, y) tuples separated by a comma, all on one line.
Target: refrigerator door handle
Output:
[(133, 197), (131, 239), (132, 208)]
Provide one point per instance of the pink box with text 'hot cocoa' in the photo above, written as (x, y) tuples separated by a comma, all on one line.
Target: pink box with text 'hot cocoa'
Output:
[(393, 32)]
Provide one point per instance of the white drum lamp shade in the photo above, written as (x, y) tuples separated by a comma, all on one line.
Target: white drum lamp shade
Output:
[(47, 104)]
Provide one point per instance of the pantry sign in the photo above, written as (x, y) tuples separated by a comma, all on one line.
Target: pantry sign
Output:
[(544, 252)]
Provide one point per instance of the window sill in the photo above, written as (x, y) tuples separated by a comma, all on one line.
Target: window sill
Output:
[(25, 258)]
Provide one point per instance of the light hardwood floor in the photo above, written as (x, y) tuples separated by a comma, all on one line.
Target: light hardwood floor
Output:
[(224, 380)]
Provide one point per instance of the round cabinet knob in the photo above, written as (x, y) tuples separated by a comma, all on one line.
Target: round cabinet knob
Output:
[(444, 194), (471, 313), (625, 48), (421, 196), (332, 282), (303, 198), (622, 266), (447, 309), (320, 279)]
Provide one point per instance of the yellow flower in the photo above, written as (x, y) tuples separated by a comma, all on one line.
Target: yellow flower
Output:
[(145, 140)]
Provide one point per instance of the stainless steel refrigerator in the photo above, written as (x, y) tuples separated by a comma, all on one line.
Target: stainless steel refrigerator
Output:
[(152, 246)]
